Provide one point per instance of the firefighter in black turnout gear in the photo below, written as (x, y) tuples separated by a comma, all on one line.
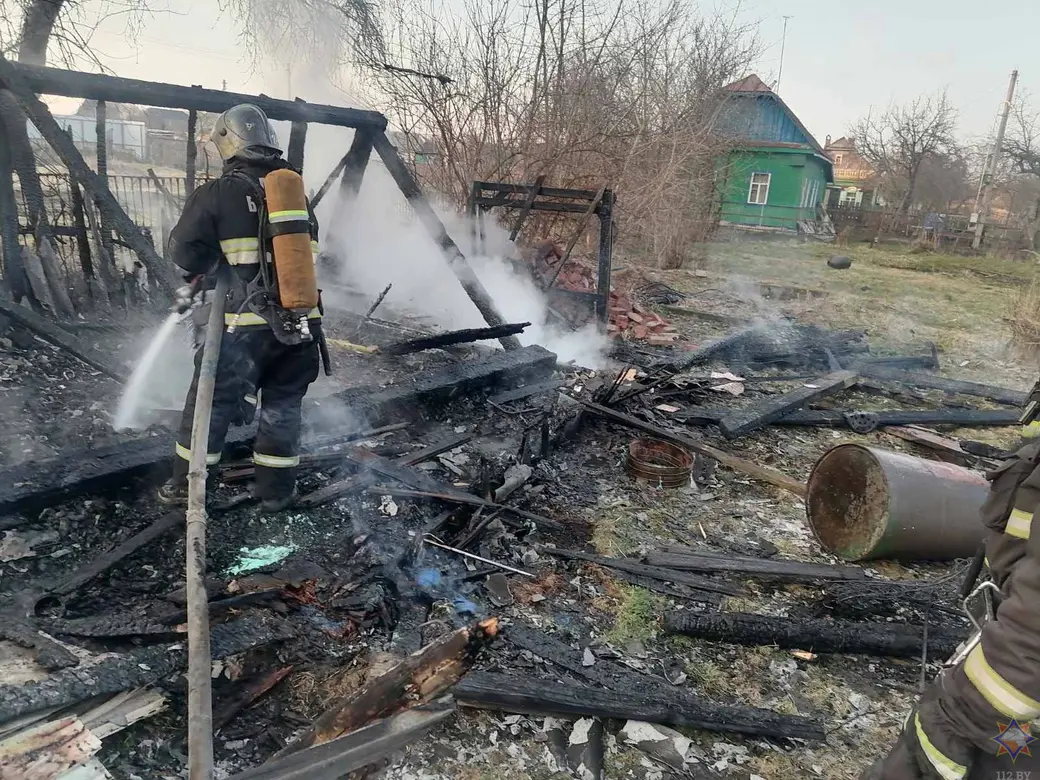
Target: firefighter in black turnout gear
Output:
[(269, 354)]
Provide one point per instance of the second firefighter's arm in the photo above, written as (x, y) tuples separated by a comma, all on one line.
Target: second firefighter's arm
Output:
[(960, 717), (194, 241)]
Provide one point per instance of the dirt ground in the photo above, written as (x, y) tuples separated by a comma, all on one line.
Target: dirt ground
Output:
[(902, 300)]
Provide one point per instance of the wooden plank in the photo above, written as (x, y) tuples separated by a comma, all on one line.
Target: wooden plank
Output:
[(765, 568), (727, 459), (820, 636), (642, 570), (1000, 395), (506, 693), (51, 333), (98, 86), (340, 757), (526, 391), (766, 410), (417, 678)]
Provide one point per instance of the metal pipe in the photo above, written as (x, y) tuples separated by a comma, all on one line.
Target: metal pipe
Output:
[(200, 692), (865, 503)]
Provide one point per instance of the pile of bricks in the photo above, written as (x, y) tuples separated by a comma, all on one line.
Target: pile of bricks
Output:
[(627, 319)]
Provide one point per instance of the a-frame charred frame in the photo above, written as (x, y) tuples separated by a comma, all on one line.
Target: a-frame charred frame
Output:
[(26, 82), (486, 195)]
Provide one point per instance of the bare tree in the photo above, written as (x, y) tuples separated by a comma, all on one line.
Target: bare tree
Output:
[(1022, 153), (904, 138), (586, 92)]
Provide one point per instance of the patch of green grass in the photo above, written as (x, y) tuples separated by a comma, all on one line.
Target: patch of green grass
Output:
[(637, 616), (708, 677)]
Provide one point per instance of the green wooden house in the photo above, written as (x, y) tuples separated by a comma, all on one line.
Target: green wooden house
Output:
[(776, 174)]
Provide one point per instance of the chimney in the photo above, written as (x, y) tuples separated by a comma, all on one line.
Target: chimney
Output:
[(827, 142)]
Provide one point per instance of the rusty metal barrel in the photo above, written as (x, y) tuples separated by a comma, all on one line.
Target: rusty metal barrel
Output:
[(865, 503)]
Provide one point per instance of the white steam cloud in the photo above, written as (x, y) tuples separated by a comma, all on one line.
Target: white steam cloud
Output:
[(379, 241)]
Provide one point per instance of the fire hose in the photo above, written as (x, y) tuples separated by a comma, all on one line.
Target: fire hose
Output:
[(200, 693)]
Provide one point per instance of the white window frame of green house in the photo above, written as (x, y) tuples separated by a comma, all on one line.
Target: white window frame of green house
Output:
[(759, 189)]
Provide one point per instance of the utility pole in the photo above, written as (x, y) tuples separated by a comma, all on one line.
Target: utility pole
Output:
[(783, 49), (992, 162)]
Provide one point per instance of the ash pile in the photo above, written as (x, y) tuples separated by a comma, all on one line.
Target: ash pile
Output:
[(441, 559)]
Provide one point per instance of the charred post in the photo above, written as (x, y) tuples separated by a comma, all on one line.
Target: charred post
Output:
[(80, 171), (191, 150)]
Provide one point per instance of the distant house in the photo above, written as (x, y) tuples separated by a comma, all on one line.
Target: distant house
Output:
[(853, 185), (776, 173)]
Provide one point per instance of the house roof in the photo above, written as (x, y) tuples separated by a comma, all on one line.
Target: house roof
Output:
[(750, 83), (842, 143), (753, 86)]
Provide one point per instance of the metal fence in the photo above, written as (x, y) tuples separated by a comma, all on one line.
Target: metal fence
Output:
[(153, 203)]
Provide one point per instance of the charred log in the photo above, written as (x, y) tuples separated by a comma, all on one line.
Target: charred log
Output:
[(820, 636), (550, 697)]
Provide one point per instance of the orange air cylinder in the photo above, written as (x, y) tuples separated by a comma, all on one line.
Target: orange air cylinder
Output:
[(291, 230)]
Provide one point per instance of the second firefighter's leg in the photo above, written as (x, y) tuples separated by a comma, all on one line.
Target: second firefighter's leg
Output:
[(276, 449), (236, 372)]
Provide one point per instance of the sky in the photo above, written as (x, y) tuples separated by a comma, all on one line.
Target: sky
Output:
[(841, 59)]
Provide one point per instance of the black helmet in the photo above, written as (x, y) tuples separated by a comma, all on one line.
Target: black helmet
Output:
[(244, 132)]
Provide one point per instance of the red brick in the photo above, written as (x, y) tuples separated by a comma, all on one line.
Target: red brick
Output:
[(639, 331), (622, 321), (634, 316)]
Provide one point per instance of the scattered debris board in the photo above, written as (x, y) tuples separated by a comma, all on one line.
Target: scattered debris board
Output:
[(771, 568), (767, 410), (1000, 395)]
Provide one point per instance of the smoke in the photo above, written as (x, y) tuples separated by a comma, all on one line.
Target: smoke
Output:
[(377, 240)]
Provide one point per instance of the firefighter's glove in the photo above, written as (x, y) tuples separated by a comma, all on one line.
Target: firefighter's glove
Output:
[(182, 298)]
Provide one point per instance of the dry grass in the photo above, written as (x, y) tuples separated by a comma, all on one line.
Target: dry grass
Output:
[(313, 693), (1024, 318), (900, 299)]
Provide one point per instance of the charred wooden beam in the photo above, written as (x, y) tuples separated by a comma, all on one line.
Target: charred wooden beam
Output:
[(1001, 395), (966, 418), (418, 678), (527, 391), (788, 571), (767, 410), (368, 477), (84, 574), (727, 459), (297, 142), (642, 570), (465, 336), (14, 271), (97, 86), (62, 339), (506, 693), (191, 150), (820, 636), (41, 483), (250, 693), (64, 147), (133, 670), (498, 371), (466, 499), (615, 677), (337, 759)]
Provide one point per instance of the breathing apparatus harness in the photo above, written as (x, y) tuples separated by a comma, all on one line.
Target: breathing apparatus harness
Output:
[(261, 294)]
